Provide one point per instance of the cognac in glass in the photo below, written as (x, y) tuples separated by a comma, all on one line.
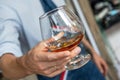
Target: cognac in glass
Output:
[(66, 30)]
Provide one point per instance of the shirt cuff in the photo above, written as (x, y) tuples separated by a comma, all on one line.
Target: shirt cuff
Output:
[(10, 48)]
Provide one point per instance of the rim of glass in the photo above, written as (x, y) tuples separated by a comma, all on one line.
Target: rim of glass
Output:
[(49, 12)]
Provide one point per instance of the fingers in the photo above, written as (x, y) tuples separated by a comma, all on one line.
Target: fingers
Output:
[(58, 57), (51, 63), (60, 70), (75, 52), (52, 56), (53, 73), (105, 68), (55, 68), (102, 66), (60, 62)]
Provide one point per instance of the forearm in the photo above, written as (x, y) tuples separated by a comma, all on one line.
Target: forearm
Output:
[(101, 64), (10, 68), (88, 46)]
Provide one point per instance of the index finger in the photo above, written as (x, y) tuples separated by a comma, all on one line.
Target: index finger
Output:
[(75, 51), (51, 56)]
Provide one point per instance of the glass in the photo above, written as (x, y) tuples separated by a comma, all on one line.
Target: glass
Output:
[(67, 31)]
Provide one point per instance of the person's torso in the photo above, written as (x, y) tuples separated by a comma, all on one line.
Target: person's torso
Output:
[(29, 12)]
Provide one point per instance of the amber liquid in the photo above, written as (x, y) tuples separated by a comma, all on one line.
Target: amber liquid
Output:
[(65, 44)]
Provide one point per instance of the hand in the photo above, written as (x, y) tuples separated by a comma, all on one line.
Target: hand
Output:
[(101, 64), (39, 61)]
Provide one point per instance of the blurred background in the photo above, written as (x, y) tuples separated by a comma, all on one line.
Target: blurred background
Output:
[(101, 19)]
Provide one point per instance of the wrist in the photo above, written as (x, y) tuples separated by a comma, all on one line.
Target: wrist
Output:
[(11, 68), (21, 63)]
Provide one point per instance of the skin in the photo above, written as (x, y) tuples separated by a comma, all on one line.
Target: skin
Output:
[(39, 61), (36, 61), (100, 62)]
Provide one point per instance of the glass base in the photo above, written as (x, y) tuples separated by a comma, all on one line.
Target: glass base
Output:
[(78, 62)]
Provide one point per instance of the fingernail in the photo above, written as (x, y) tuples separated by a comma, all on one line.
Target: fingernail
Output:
[(77, 50), (68, 58), (67, 53)]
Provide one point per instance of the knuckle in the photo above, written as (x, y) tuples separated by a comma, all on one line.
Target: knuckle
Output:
[(41, 67), (52, 57), (49, 58), (50, 76), (46, 72)]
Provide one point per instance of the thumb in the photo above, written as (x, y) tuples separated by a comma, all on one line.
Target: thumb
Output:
[(45, 44)]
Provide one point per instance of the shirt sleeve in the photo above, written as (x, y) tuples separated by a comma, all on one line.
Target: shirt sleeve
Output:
[(9, 31)]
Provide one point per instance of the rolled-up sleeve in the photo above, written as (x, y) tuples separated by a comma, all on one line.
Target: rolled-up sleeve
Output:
[(9, 31)]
